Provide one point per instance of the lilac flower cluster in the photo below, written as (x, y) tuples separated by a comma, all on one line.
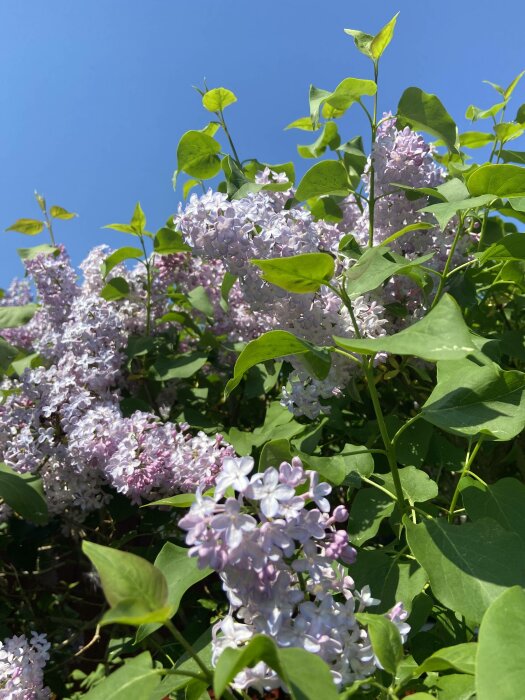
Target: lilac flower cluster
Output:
[(402, 157), (62, 419), (258, 226), (22, 664), (279, 562)]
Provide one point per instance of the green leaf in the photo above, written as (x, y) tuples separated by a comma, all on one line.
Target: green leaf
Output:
[(217, 99), (425, 112), (116, 288), (171, 683), (353, 460), (329, 137), (136, 679), (197, 155), (31, 227), (369, 508), (362, 41), (349, 91), (180, 367), (123, 228), (468, 565), (510, 89), (273, 453), (444, 211), (14, 316), (454, 686), (383, 38), (181, 573), (475, 139), (460, 657), (188, 186), (138, 220), (24, 494), (510, 247), (299, 273), (420, 226), (181, 500), (441, 335), (325, 208), (504, 501), (316, 98), (61, 213), (168, 241), (512, 156), (376, 265), (390, 580), (501, 180), (133, 587), (385, 638), (417, 486), (303, 123), (273, 345), (508, 131), (7, 353), (501, 655), (127, 253), (475, 113), (210, 130), (472, 400), (326, 177), (305, 675), (31, 253), (199, 299)]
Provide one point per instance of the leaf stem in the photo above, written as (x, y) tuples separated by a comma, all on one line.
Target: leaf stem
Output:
[(466, 469), (220, 115), (189, 650), (448, 263)]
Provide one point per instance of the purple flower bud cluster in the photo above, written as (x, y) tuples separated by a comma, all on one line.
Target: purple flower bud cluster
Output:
[(22, 663), (62, 419), (275, 543)]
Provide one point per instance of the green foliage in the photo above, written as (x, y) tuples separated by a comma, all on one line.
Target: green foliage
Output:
[(197, 155), (326, 177), (136, 590), (441, 335), (218, 99), (474, 400), (306, 676), (273, 345), (24, 494), (425, 112), (501, 658), (300, 273)]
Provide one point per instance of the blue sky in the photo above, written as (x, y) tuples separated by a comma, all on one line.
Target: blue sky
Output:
[(95, 95)]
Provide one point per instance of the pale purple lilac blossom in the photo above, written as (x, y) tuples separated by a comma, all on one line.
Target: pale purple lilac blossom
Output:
[(22, 663), (278, 557)]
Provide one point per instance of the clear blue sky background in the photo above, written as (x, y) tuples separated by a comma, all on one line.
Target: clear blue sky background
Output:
[(96, 93)]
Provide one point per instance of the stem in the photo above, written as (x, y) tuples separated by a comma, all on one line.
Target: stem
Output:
[(234, 151), (444, 276), (372, 202), (189, 650), (49, 227), (389, 445), (404, 427), (468, 463), (147, 264)]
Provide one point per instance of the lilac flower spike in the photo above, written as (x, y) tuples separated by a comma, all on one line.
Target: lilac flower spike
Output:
[(279, 558)]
